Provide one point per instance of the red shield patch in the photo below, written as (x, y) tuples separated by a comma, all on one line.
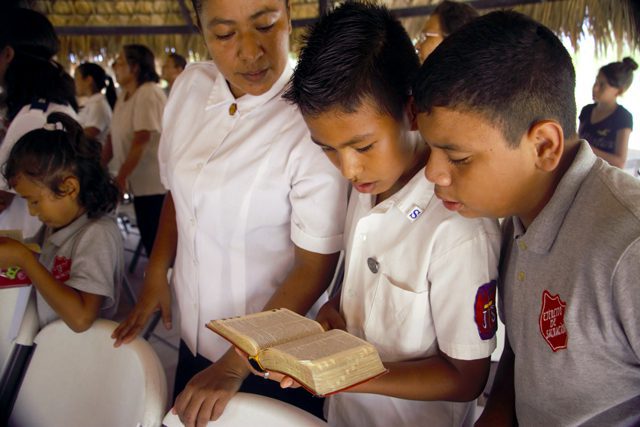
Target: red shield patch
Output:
[(552, 325), (61, 268), (485, 310)]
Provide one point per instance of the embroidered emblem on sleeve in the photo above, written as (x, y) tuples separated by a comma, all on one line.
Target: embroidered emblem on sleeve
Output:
[(61, 268), (485, 310), (552, 325)]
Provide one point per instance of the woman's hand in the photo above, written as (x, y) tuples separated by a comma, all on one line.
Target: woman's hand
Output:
[(155, 295), (206, 395)]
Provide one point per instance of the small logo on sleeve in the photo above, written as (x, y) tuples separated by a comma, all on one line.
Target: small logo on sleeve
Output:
[(552, 325), (61, 268), (485, 310)]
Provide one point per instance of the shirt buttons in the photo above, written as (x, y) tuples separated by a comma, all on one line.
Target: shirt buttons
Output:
[(192, 221), (374, 266), (521, 276), (522, 245), (233, 108), (199, 165)]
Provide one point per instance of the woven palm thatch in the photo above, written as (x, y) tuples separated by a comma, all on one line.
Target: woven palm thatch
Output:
[(610, 22)]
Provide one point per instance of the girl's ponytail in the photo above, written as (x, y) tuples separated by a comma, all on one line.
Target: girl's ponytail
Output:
[(110, 91)]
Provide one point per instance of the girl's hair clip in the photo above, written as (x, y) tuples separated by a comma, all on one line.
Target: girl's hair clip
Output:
[(54, 126)]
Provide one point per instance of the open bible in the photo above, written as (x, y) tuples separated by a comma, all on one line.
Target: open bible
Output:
[(323, 362), (14, 276)]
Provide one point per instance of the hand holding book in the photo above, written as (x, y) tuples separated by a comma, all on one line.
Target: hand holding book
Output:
[(281, 341)]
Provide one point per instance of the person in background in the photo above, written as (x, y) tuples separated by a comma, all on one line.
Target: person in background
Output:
[(255, 212), (496, 103), (605, 124), (58, 171), (446, 18), (135, 134), (95, 114), (173, 65), (35, 85)]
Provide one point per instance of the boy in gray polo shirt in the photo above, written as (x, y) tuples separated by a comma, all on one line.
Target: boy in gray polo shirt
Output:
[(497, 108)]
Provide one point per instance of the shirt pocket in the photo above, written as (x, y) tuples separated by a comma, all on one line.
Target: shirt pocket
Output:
[(399, 321)]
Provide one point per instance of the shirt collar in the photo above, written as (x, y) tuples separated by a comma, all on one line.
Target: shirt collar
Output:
[(417, 192), (59, 237), (221, 93), (542, 232)]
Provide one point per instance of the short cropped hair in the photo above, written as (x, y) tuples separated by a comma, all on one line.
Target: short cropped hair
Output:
[(178, 60), (357, 52), (453, 15), (506, 67)]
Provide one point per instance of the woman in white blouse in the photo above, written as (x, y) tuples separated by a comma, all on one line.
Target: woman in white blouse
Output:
[(135, 135), (95, 114), (255, 212)]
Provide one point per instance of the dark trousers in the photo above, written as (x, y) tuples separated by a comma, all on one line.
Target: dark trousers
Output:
[(148, 210), (188, 366)]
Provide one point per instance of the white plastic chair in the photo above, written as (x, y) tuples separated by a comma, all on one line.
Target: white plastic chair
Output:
[(82, 380), (254, 410), (18, 328)]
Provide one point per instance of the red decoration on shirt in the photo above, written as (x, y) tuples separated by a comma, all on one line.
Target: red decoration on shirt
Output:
[(552, 325), (61, 268), (485, 310)]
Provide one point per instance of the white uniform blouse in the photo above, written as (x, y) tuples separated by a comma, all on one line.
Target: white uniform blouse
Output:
[(248, 184), (418, 278), (96, 113), (142, 111)]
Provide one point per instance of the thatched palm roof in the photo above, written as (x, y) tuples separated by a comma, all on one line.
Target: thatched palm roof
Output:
[(91, 27)]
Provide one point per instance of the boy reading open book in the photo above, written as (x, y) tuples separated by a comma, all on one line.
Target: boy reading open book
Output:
[(283, 341)]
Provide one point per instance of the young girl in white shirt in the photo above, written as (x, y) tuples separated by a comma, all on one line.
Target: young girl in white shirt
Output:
[(95, 114), (79, 271)]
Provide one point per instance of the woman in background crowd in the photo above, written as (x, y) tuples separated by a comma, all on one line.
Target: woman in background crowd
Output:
[(605, 124), (447, 17)]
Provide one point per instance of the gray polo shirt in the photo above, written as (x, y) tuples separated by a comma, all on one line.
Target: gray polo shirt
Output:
[(87, 255), (570, 287)]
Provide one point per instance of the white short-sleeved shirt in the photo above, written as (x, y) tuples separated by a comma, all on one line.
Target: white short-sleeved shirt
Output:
[(418, 279), (248, 184), (96, 113), (87, 255), (30, 117), (141, 111)]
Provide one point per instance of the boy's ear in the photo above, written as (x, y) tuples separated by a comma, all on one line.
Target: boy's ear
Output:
[(70, 187), (412, 113), (7, 54), (548, 139)]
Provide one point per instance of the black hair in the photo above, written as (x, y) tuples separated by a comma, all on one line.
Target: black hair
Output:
[(620, 74), (506, 67), (142, 57), (32, 74), (453, 15), (197, 7), (101, 80), (357, 52), (178, 60), (49, 156)]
